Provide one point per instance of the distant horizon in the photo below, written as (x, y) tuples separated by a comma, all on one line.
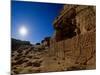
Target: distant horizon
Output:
[(36, 17)]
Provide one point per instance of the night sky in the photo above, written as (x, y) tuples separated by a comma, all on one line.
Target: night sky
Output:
[(36, 17)]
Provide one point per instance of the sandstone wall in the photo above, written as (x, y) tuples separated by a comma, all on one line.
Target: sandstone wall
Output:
[(73, 45), (78, 53), (82, 45)]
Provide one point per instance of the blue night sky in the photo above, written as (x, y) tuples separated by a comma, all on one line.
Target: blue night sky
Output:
[(36, 17)]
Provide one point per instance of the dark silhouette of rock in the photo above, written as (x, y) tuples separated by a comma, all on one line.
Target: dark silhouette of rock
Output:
[(17, 43), (37, 43)]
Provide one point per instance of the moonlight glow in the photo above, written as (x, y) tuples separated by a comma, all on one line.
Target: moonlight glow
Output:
[(23, 31)]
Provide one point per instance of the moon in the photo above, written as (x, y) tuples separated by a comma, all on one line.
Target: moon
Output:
[(23, 31)]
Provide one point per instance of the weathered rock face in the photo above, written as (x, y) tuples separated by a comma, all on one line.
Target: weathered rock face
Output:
[(78, 51), (74, 46), (74, 20)]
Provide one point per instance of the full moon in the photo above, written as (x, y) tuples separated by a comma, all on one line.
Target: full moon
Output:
[(23, 31)]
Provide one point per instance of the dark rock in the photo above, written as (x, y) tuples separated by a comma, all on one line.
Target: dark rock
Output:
[(15, 44), (36, 64)]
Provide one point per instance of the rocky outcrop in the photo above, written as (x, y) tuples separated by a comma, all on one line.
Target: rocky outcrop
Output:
[(74, 20), (73, 46), (17, 43)]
